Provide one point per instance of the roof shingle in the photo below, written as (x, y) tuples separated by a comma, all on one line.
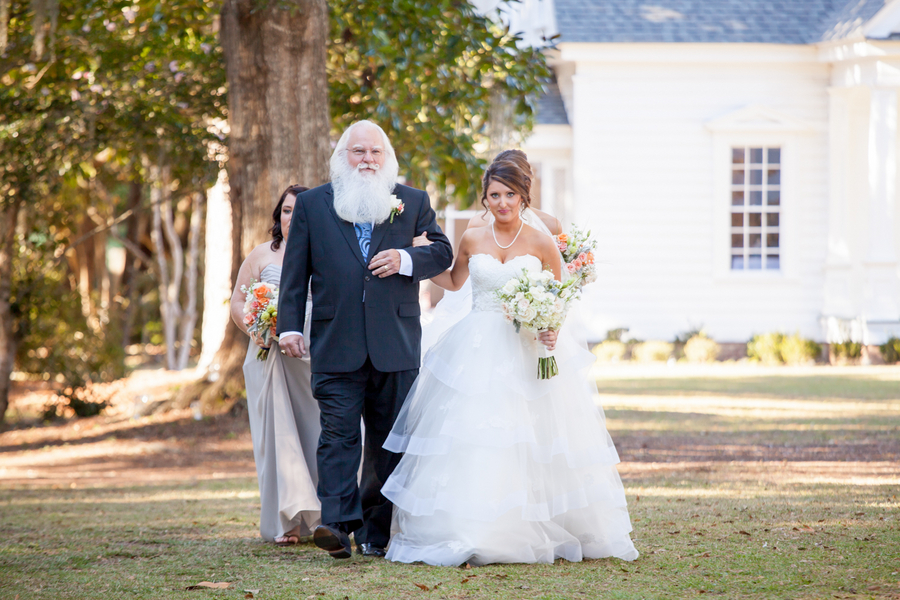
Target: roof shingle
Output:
[(711, 21)]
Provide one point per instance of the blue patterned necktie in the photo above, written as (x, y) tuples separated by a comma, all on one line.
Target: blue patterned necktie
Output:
[(364, 237)]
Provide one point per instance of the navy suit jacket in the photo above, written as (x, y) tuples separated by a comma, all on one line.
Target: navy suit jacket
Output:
[(322, 251)]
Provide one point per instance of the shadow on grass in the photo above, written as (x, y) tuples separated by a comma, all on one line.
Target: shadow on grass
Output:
[(795, 386)]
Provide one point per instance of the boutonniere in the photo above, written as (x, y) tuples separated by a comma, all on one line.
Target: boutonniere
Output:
[(396, 207)]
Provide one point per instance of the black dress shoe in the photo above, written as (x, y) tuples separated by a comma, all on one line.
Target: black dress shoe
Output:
[(370, 550), (334, 541)]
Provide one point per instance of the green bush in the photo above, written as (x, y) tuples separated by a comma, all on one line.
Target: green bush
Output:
[(610, 351), (652, 351), (701, 349), (847, 350), (766, 348), (890, 351), (615, 335), (796, 350)]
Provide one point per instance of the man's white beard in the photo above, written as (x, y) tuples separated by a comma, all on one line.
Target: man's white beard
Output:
[(363, 198)]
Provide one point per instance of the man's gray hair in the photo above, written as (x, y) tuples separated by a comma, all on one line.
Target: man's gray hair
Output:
[(341, 147)]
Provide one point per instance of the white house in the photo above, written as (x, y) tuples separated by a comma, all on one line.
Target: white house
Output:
[(737, 161)]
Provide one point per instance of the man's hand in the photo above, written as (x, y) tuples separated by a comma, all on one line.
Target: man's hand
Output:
[(385, 263), (292, 346)]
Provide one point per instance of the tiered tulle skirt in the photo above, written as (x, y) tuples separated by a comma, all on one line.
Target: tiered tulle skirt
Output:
[(500, 467)]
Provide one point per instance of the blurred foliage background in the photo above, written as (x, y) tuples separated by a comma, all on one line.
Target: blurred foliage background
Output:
[(113, 124)]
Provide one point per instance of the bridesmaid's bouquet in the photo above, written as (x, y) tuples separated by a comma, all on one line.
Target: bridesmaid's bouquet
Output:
[(577, 249), (261, 312), (538, 302)]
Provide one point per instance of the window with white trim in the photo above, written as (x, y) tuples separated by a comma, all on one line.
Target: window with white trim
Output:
[(755, 208)]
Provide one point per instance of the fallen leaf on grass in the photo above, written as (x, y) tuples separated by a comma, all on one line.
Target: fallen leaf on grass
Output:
[(210, 585), (248, 595), (674, 532), (742, 532), (425, 588)]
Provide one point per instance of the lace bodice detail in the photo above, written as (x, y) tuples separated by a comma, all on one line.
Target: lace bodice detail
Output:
[(271, 274), (489, 274)]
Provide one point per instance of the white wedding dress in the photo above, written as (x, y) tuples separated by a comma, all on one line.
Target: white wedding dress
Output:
[(500, 467)]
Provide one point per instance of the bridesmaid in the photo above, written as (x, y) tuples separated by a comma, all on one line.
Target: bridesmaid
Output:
[(284, 416)]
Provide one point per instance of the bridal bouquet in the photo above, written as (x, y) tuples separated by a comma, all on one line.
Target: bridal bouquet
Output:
[(577, 249), (261, 312), (538, 302)]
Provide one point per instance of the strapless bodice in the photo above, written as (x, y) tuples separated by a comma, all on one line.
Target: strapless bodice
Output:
[(489, 274), (271, 274)]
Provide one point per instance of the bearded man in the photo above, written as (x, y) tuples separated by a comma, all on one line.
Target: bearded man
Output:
[(352, 241)]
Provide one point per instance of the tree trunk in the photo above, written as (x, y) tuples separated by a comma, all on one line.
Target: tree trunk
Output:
[(189, 313), (278, 106), (129, 284), (168, 285), (8, 217)]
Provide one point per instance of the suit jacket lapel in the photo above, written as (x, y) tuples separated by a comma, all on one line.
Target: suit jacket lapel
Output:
[(346, 228)]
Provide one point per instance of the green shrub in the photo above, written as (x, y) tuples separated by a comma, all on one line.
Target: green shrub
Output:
[(766, 348), (610, 351), (796, 350), (847, 350), (701, 349), (890, 350), (615, 335), (652, 351)]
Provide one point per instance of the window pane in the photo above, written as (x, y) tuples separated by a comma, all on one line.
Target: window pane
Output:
[(737, 198), (737, 156), (772, 262), (755, 220), (737, 262), (737, 240), (756, 155), (772, 219), (774, 177), (774, 156), (755, 198), (737, 176), (737, 219), (756, 177), (774, 198), (755, 261), (754, 240), (771, 240)]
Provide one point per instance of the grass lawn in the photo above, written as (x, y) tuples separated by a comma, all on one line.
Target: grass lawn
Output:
[(742, 483)]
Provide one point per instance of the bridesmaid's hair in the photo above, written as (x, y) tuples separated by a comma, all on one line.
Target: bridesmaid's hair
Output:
[(508, 172), (277, 234)]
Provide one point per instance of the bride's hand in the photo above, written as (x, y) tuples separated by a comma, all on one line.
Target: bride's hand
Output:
[(422, 240), (548, 338)]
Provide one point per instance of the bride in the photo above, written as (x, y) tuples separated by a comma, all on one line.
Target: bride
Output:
[(500, 467)]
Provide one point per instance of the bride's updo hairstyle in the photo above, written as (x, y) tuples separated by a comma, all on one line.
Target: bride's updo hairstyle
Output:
[(512, 175), (277, 234), (517, 156)]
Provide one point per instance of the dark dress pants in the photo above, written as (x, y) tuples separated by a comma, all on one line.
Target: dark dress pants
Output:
[(344, 398)]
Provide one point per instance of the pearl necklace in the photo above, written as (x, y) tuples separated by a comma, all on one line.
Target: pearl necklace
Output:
[(514, 239)]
